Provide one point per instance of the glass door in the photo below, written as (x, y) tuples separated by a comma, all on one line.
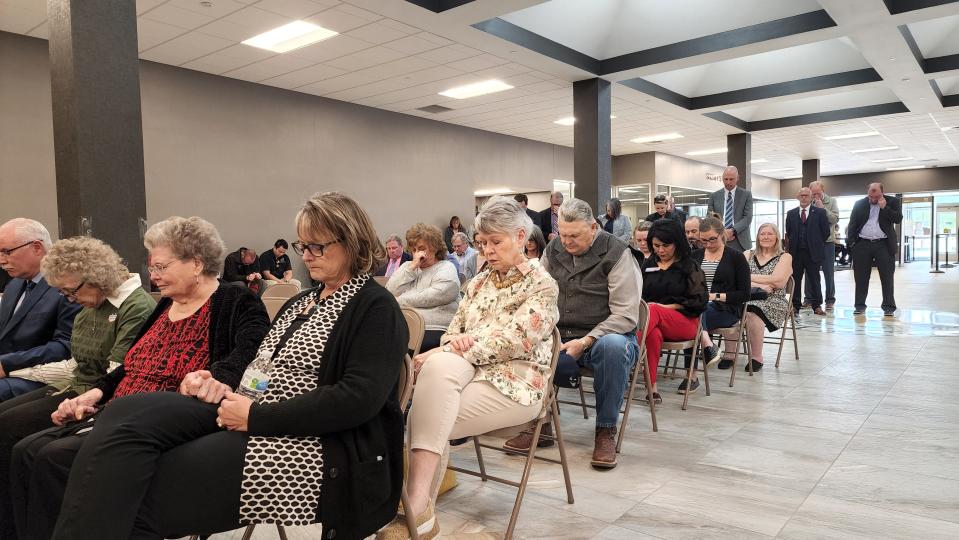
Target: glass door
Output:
[(917, 228), (636, 201)]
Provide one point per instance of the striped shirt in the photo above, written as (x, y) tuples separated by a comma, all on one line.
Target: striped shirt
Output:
[(709, 268)]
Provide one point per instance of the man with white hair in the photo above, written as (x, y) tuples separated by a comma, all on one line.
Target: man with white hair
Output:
[(734, 205), (465, 255), (44, 336), (599, 291)]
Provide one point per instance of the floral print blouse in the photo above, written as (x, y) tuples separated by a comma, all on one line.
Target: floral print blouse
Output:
[(512, 329)]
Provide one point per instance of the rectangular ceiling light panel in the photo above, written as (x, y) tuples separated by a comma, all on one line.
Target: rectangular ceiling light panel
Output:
[(851, 136), (476, 89), (290, 37), (708, 152), (876, 149), (657, 138)]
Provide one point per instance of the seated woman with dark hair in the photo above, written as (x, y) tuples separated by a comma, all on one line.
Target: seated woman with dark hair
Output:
[(535, 244), (675, 289), (328, 419), (115, 306), (727, 279), (202, 330), (429, 283)]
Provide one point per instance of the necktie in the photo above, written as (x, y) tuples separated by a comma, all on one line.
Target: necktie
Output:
[(23, 295), (803, 215), (728, 221), (554, 223)]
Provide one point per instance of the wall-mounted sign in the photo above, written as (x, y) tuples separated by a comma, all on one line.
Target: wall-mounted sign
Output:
[(713, 177)]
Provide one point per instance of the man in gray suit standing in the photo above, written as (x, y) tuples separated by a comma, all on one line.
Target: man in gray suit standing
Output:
[(734, 205)]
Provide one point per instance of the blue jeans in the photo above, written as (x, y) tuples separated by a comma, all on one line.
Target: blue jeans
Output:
[(11, 387), (828, 274), (611, 358)]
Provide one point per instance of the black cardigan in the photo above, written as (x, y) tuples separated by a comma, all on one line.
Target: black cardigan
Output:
[(356, 411), (731, 278), (238, 323)]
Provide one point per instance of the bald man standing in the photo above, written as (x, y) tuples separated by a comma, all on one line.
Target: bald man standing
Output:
[(872, 241), (734, 205)]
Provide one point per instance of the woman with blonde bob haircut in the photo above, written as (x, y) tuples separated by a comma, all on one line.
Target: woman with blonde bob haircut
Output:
[(769, 268), (493, 365), (327, 418), (89, 273)]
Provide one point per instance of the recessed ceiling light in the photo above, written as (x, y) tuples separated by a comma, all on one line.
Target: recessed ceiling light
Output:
[(476, 89), (707, 152), (290, 36), (568, 121), (892, 159), (657, 138), (759, 161), (906, 79), (784, 169), (905, 168), (875, 149), (851, 135), (612, 116)]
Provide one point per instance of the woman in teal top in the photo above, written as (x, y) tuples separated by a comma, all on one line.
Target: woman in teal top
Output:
[(90, 273)]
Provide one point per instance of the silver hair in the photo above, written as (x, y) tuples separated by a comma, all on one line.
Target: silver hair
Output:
[(576, 210), (462, 236), (502, 215), (189, 238), (394, 238), (30, 230)]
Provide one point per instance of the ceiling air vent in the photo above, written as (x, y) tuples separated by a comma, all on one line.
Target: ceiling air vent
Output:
[(434, 109)]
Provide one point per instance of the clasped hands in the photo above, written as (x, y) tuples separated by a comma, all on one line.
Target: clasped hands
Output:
[(234, 410)]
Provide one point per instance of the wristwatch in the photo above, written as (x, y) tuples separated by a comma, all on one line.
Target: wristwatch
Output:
[(716, 297)]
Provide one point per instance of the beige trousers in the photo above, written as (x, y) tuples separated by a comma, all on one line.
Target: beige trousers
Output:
[(447, 404)]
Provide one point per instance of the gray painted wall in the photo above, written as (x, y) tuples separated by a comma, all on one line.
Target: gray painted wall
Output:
[(245, 156)]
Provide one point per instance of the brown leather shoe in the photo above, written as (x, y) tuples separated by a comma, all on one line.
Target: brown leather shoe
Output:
[(522, 442), (819, 311), (604, 448)]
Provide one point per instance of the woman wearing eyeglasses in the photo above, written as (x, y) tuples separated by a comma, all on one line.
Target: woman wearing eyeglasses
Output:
[(727, 278), (115, 306), (323, 442), (198, 340)]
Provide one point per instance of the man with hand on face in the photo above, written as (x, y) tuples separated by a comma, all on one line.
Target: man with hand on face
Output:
[(831, 206), (692, 232), (599, 291), (734, 206), (871, 237), (549, 218)]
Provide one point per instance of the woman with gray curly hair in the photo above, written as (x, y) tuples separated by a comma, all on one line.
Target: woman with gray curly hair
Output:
[(197, 341), (115, 306), (493, 364)]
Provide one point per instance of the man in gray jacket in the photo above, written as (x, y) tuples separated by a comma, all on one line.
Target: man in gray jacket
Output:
[(599, 292), (734, 206), (831, 206)]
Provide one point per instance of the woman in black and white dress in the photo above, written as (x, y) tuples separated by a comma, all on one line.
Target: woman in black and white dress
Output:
[(166, 465)]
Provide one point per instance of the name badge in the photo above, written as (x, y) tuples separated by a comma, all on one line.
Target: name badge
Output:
[(652, 269), (112, 317)]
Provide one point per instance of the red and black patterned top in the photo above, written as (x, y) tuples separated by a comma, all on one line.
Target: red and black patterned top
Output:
[(166, 353)]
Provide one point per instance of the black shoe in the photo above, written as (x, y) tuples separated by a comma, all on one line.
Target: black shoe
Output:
[(657, 398), (457, 442), (711, 354), (756, 366), (725, 364), (859, 311), (889, 313), (693, 388)]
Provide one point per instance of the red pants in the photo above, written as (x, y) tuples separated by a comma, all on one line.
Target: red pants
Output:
[(666, 325)]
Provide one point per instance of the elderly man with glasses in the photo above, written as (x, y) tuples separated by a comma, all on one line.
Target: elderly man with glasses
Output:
[(44, 335)]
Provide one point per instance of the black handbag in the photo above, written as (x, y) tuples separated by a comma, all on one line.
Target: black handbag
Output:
[(757, 293)]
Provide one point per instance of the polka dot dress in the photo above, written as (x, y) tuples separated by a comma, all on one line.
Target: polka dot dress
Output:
[(282, 475)]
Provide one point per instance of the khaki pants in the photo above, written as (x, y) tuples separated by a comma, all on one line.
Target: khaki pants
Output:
[(268, 282), (447, 404)]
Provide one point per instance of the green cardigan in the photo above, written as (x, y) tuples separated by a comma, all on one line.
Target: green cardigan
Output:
[(104, 334)]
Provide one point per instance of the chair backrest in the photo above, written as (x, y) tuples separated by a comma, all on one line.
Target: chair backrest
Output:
[(405, 390), (790, 289), (280, 290), (156, 295), (273, 306), (417, 328), (382, 280), (550, 389), (643, 326)]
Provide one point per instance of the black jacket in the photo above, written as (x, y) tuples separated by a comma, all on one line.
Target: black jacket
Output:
[(817, 231), (234, 270), (889, 216), (731, 277), (238, 323), (356, 411), (545, 222)]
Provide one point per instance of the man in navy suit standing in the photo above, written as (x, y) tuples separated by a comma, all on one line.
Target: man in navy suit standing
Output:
[(807, 228), (44, 335)]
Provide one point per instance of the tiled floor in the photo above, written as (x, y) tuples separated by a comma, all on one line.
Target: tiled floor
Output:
[(857, 439)]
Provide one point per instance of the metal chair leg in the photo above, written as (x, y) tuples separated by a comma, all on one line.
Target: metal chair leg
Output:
[(523, 481), (479, 455), (248, 533), (282, 532), (582, 399), (562, 451), (407, 511)]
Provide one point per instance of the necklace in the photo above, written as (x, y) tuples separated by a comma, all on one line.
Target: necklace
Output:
[(502, 283)]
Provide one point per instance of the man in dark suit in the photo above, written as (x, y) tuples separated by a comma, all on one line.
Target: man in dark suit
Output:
[(523, 201), (395, 256), (807, 228), (734, 205), (871, 238), (549, 218), (36, 321)]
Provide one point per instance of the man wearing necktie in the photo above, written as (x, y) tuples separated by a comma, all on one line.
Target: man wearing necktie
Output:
[(807, 228), (44, 336), (395, 256), (734, 206)]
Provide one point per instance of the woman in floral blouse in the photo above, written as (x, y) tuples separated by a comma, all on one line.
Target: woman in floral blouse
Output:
[(493, 364)]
